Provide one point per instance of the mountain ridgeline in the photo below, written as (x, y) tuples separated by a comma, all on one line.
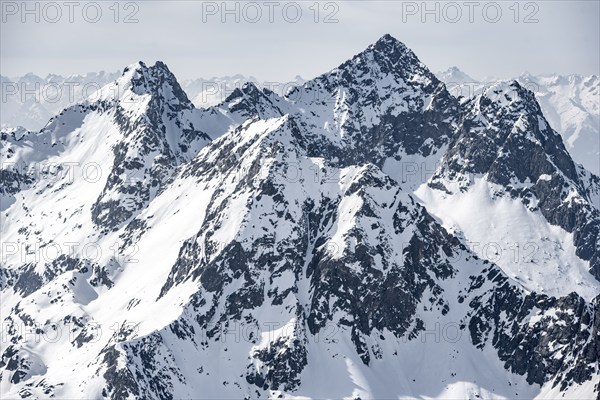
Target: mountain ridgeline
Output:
[(332, 242)]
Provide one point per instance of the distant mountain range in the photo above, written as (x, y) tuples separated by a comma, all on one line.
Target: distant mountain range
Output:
[(571, 103), (31, 100)]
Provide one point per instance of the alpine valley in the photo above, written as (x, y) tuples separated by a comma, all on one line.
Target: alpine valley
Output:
[(366, 235)]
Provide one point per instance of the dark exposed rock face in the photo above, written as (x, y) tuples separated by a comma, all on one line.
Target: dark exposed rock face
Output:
[(14, 175), (534, 346), (382, 103), (13, 181), (120, 381)]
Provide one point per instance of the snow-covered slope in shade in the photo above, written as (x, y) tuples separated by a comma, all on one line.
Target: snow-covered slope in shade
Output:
[(539, 256)]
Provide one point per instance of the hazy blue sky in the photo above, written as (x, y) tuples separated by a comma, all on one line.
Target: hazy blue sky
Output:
[(194, 41)]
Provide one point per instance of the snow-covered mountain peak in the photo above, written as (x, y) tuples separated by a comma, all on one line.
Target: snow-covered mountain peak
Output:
[(454, 76), (149, 78), (150, 127), (510, 95), (31, 77), (382, 106), (372, 76), (248, 92), (387, 59), (570, 103), (139, 83), (506, 149), (249, 102), (504, 128), (392, 46)]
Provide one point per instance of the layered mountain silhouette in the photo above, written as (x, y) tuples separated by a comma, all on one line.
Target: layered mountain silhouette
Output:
[(365, 235)]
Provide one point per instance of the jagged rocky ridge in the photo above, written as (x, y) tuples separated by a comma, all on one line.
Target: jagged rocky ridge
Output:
[(569, 103), (504, 136), (273, 243)]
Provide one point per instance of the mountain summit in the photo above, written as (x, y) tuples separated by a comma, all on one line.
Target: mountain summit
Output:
[(156, 81)]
